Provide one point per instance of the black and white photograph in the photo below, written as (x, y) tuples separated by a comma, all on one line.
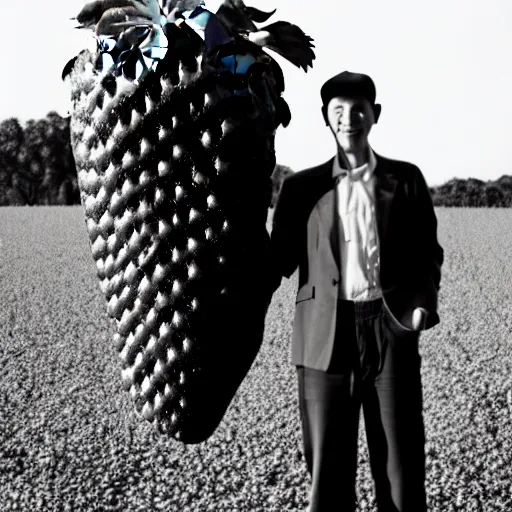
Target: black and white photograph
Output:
[(256, 256)]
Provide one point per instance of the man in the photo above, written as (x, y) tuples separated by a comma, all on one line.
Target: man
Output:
[(362, 231)]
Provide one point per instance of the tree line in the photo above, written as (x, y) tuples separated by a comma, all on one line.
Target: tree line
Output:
[(37, 168), (474, 193), (36, 163)]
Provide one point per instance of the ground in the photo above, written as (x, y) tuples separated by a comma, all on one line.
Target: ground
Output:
[(70, 441)]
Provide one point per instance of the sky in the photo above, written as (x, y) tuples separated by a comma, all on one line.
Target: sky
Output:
[(442, 69)]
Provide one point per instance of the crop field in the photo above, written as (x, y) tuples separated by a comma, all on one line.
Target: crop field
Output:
[(70, 441)]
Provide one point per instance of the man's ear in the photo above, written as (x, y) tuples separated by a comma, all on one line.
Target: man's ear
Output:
[(377, 109), (324, 113)]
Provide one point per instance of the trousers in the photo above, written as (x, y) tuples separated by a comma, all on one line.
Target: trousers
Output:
[(375, 366)]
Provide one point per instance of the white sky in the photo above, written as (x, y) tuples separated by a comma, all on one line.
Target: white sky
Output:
[(442, 68)]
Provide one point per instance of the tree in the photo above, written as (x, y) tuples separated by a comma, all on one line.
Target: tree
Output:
[(505, 184), (33, 155), (11, 142), (47, 172), (60, 185), (457, 192), (493, 196), (474, 192)]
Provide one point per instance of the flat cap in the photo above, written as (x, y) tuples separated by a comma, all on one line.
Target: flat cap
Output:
[(348, 84)]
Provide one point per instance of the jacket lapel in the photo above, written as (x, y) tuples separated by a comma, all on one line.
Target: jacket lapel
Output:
[(324, 181), (327, 212), (385, 190)]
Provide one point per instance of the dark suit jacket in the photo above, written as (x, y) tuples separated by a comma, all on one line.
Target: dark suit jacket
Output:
[(410, 255)]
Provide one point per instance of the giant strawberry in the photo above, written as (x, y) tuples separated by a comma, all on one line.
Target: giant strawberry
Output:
[(173, 122)]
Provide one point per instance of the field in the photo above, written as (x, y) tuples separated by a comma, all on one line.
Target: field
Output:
[(70, 441)]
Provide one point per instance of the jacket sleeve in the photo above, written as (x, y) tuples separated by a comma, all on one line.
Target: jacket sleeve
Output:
[(283, 242), (425, 216)]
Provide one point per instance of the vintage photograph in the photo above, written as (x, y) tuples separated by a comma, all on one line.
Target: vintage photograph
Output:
[(256, 256)]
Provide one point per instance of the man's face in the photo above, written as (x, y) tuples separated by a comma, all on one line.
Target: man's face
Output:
[(350, 120)]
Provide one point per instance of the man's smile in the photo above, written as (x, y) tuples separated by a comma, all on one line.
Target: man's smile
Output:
[(349, 131)]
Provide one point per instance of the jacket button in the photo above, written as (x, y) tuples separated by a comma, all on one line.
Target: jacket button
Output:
[(334, 282)]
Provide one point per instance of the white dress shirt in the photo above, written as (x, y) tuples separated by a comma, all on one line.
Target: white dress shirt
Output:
[(358, 236)]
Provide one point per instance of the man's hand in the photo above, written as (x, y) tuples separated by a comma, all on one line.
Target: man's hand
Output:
[(419, 319)]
